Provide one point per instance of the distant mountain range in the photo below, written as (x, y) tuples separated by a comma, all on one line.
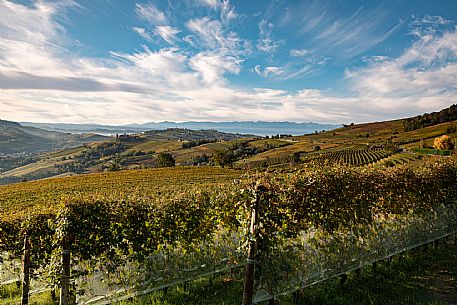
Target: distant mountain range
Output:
[(26, 137), (243, 127)]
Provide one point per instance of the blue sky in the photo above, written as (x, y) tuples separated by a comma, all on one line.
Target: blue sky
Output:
[(117, 62)]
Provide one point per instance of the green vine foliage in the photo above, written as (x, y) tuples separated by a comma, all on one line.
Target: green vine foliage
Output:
[(107, 233), (321, 221)]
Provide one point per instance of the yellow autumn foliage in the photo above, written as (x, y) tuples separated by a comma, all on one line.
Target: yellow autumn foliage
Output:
[(443, 143)]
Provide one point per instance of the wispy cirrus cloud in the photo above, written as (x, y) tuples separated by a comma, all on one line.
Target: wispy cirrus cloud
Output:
[(266, 43), (337, 35), (143, 33), (21, 48), (209, 32), (304, 62), (420, 26), (299, 53), (214, 4), (423, 77), (222, 49), (227, 12), (267, 71), (212, 66), (167, 33), (40, 79), (151, 14), (212, 34)]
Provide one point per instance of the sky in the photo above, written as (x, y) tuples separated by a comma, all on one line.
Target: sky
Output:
[(119, 61)]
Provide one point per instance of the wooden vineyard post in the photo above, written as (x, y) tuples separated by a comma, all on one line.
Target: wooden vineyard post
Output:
[(252, 249), (26, 271), (65, 280)]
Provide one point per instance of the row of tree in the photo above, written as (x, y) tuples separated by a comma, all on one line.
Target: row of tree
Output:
[(428, 119)]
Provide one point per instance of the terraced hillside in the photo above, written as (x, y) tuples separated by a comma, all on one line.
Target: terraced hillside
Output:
[(351, 156)]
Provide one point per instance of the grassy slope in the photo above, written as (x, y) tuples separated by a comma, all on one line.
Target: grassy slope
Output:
[(419, 278), (15, 138)]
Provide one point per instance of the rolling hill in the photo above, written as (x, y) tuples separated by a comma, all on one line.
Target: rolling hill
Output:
[(18, 139), (375, 144)]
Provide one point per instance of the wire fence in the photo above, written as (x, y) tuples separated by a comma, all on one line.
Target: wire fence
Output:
[(292, 264), (106, 284), (315, 256), (163, 269)]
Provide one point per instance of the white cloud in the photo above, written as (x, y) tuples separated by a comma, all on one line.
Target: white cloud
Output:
[(299, 53), (212, 35), (167, 33), (427, 65), (227, 12), (327, 29), (41, 81), (268, 71), (212, 67), (210, 32), (423, 78), (430, 20), (266, 43), (214, 4), (429, 25), (143, 33), (273, 70), (302, 63), (30, 39), (150, 13)]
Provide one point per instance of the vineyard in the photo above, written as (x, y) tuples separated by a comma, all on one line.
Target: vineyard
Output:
[(45, 196), (312, 224), (398, 159), (347, 156), (350, 156)]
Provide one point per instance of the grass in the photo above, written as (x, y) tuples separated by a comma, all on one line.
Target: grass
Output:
[(419, 277), (205, 149), (156, 146), (431, 151)]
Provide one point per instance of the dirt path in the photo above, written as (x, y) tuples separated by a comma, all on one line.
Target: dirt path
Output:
[(443, 282)]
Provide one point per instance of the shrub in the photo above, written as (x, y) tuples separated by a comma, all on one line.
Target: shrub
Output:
[(443, 143), (165, 160)]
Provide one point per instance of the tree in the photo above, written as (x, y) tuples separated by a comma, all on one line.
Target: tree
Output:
[(114, 167), (443, 143), (451, 129), (296, 157), (223, 158), (165, 160)]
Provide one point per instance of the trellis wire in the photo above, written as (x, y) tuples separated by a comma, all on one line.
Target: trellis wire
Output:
[(328, 272)]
